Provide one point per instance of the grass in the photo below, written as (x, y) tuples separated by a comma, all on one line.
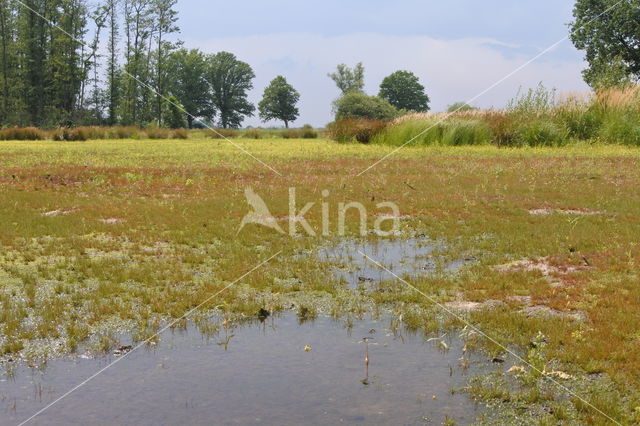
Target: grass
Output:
[(111, 235), (537, 117)]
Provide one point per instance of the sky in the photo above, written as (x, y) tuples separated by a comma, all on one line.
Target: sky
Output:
[(457, 48)]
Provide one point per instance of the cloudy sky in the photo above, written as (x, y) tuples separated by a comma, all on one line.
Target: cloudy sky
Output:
[(457, 48)]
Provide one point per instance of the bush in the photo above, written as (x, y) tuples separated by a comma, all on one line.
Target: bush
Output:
[(124, 132), (252, 134), (157, 133), (534, 102), (362, 131), (502, 128), (308, 132), (460, 107), (22, 134), (358, 105), (180, 134), (95, 132), (291, 134), (71, 134)]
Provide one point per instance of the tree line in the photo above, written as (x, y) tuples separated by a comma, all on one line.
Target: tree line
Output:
[(119, 62), (64, 63)]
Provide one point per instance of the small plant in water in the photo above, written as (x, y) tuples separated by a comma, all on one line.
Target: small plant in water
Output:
[(536, 357)]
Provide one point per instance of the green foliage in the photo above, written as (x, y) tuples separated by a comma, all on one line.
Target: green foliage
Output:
[(539, 132), (279, 102), (359, 105), (307, 132), (403, 90), (188, 83), (621, 129), (230, 80), (532, 102), (609, 39), (454, 132), (348, 79), (174, 117), (460, 107)]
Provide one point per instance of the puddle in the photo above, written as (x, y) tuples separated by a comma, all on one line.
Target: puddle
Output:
[(263, 376), (404, 257)]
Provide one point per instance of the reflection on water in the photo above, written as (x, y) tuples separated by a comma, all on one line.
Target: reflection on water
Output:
[(404, 257), (277, 372)]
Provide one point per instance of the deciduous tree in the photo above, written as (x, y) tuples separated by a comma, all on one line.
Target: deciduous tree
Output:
[(279, 102), (403, 90), (230, 79)]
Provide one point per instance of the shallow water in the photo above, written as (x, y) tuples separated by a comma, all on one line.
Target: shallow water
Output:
[(263, 376), (412, 257)]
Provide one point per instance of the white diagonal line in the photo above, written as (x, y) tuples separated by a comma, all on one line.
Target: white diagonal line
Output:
[(497, 83), (180, 107), (491, 339), (165, 328)]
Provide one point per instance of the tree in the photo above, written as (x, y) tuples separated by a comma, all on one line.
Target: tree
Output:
[(279, 102), (357, 104), (111, 7), (460, 107), (139, 23), (403, 90), (230, 80), (166, 18), (611, 40), (348, 79), (174, 114), (188, 83)]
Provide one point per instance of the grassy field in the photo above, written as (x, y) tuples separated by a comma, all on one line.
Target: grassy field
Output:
[(101, 237)]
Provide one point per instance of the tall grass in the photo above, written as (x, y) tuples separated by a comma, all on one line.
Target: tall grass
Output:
[(453, 132), (538, 117)]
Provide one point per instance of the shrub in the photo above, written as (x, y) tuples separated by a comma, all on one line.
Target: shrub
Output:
[(460, 107), (291, 134), (71, 134), (534, 102), (157, 133), (308, 132), (95, 132), (358, 105), (180, 134), (252, 134), (22, 134), (502, 128), (360, 130), (124, 132)]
